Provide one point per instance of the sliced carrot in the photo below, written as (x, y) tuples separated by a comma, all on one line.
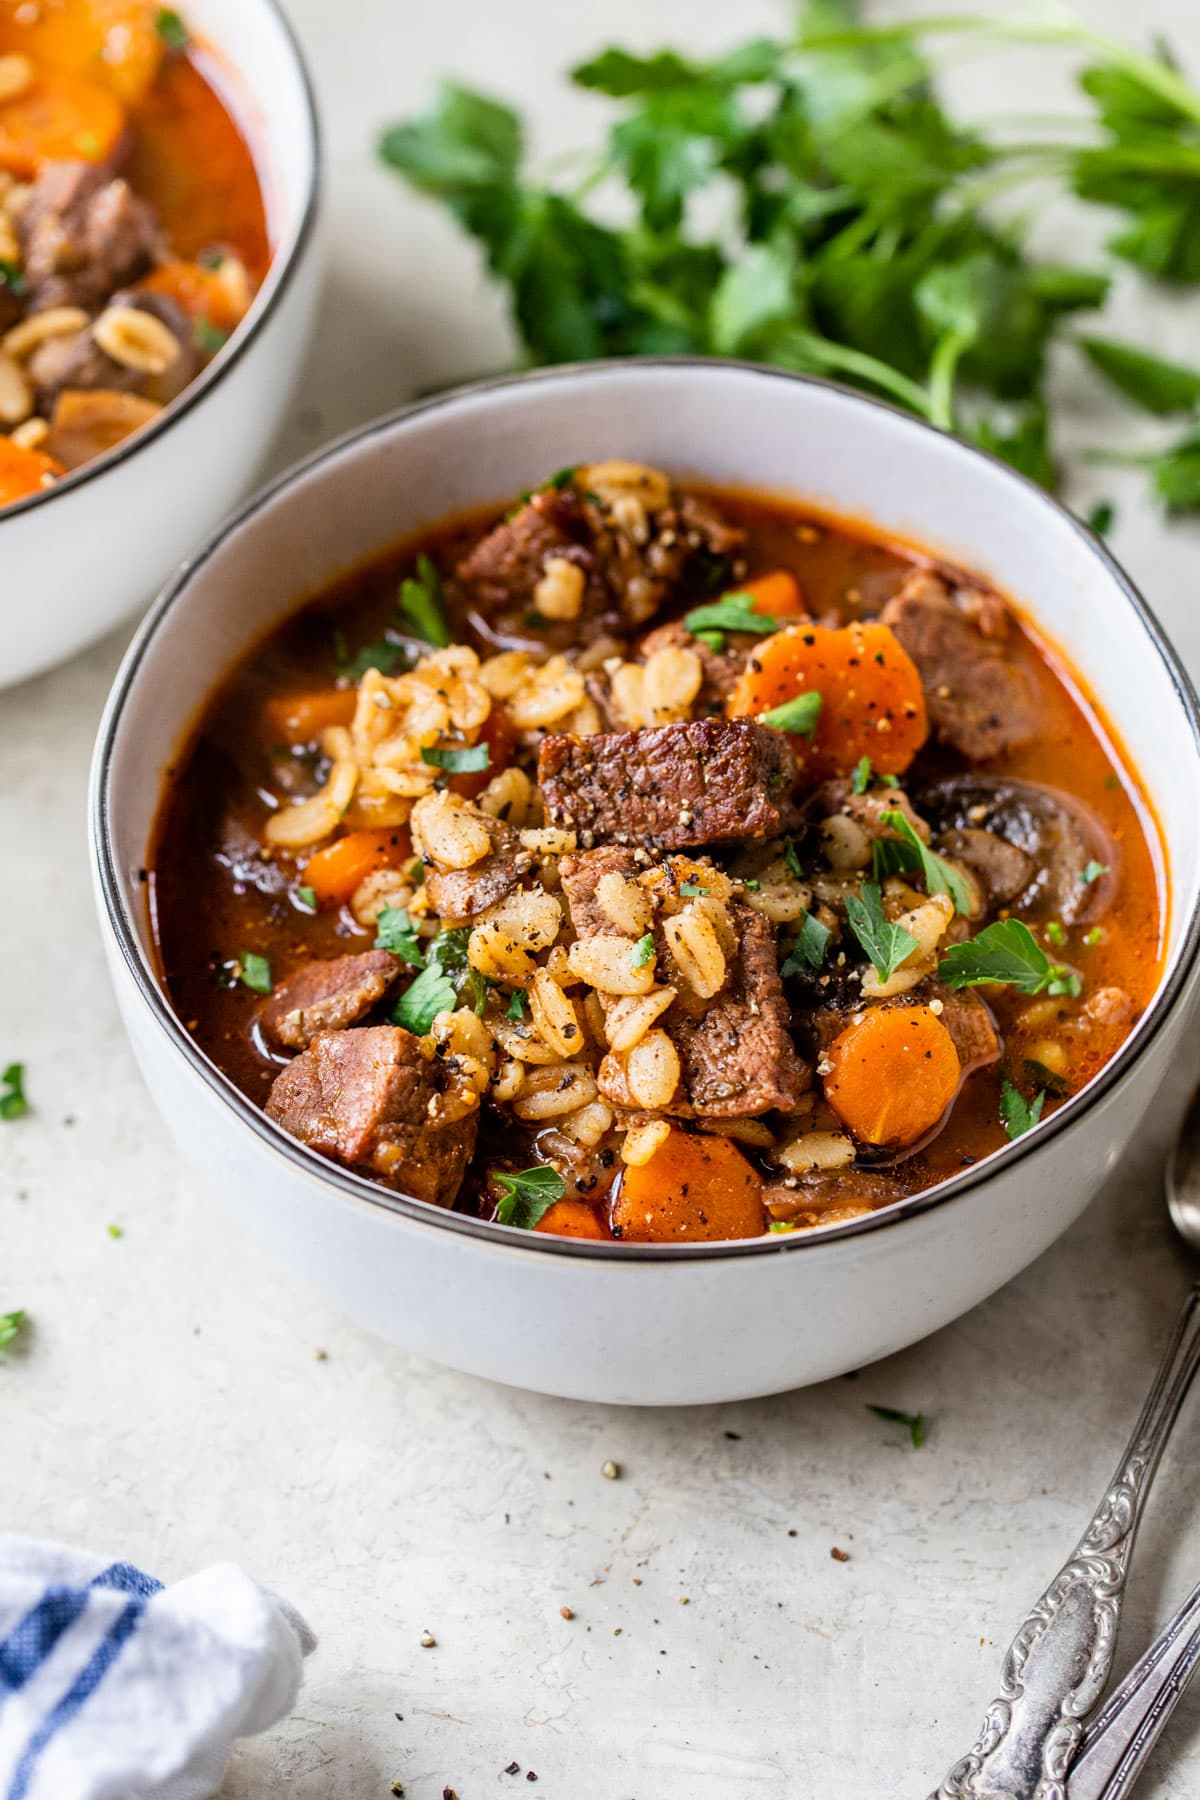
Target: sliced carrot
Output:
[(334, 872), (895, 1071), (573, 1219), (872, 701), (776, 596), (114, 42), (60, 117), (199, 292), (299, 718), (24, 472), (500, 735), (692, 1189)]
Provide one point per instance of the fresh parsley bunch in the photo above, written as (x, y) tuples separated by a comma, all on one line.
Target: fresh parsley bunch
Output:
[(855, 236)]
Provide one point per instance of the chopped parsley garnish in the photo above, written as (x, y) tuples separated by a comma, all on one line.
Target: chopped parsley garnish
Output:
[(1008, 955), (791, 857), (211, 258), (907, 852), (692, 888), (385, 656), (798, 716), (424, 606), (171, 28), (416, 872), (254, 972), (395, 931), (1017, 1115), (914, 1423), (861, 779), (13, 1104), (886, 945), (526, 1195), (1056, 934), (12, 1324), (809, 949), (209, 337), (1094, 936), (1092, 872), (466, 761), (1102, 518), (561, 478), (752, 884), (307, 898), (434, 991), (515, 1010), (116, 1231), (712, 640), (643, 951), (11, 276), (780, 1225), (732, 612)]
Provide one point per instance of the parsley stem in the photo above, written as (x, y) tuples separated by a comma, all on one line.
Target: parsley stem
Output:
[(809, 350), (946, 359)]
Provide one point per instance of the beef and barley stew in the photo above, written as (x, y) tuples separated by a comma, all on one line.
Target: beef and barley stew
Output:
[(655, 865), (132, 230)]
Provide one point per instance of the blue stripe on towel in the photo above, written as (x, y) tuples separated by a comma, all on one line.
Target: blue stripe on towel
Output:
[(81, 1689), (32, 1638), (127, 1580)]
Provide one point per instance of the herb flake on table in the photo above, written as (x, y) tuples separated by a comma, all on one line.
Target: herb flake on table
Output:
[(885, 944), (914, 1423), (1018, 1115), (526, 1195), (13, 1101), (12, 1324)]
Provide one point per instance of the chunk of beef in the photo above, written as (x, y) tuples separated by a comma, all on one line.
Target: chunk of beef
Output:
[(75, 362), (1059, 836), (84, 233), (673, 786), (464, 893), (736, 1054), (981, 700), (371, 1099), (722, 669), (630, 564), (326, 995)]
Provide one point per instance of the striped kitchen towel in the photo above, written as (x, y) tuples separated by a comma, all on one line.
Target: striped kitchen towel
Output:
[(114, 1687)]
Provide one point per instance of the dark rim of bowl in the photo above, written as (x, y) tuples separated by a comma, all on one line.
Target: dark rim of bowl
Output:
[(279, 279), (508, 1237)]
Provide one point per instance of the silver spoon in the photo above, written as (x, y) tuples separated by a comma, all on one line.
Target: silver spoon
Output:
[(1058, 1664)]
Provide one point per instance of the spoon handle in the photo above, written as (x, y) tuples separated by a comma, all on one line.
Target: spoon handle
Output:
[(1059, 1662)]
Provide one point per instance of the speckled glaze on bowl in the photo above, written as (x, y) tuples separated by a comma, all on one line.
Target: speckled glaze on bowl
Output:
[(643, 1324), (93, 548)]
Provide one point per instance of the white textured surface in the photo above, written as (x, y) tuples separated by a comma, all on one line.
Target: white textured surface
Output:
[(170, 1407)]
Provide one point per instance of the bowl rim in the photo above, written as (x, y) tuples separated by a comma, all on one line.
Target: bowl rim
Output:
[(280, 273), (348, 1185)]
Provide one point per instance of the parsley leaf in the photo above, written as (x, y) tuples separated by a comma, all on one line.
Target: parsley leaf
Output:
[(732, 612), (254, 972), (886, 945), (692, 888), (799, 716), (914, 1423), (861, 779), (424, 606), (171, 28), (395, 931), (12, 1324), (385, 656), (209, 337), (1102, 518), (1092, 872), (1016, 1114), (13, 1104), (419, 1005), (458, 762), (1153, 384), (307, 898), (791, 857), (515, 1010), (643, 951), (11, 276), (526, 1195), (809, 949), (116, 1231), (911, 853), (1008, 955)]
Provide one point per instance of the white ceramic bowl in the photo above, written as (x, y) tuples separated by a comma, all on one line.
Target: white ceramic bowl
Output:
[(641, 1324), (96, 546)]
